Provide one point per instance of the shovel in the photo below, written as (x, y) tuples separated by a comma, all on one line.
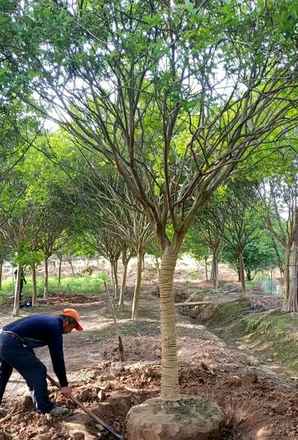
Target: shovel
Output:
[(88, 412)]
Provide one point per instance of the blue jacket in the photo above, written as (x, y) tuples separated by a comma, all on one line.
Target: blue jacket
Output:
[(41, 330)]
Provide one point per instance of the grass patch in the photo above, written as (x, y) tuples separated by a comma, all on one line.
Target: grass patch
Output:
[(68, 286), (271, 334), (278, 332), (229, 312)]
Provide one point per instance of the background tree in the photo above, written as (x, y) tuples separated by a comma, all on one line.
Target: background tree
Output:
[(292, 304), (210, 224), (240, 225), (4, 251), (279, 195)]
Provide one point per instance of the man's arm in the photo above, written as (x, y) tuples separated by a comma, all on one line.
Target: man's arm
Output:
[(57, 356)]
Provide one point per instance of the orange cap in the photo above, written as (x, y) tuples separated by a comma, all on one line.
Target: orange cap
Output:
[(72, 313)]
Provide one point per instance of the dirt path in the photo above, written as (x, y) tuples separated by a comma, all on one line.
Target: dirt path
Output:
[(257, 405), (96, 343)]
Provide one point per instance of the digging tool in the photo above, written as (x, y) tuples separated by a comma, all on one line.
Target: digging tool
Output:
[(88, 412)]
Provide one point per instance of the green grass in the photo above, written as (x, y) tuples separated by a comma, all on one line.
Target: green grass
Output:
[(278, 332), (69, 285), (229, 313), (273, 335)]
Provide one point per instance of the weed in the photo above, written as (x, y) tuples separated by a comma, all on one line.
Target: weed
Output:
[(68, 285)]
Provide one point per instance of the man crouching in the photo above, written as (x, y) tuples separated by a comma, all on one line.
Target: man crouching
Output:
[(17, 341)]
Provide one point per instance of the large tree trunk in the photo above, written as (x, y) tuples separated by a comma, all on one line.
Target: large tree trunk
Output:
[(169, 363), (16, 303), (242, 274), (34, 287), (59, 270), (248, 275), (1, 272), (46, 278), (292, 305), (137, 290)]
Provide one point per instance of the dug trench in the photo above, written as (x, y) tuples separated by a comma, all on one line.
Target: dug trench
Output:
[(257, 405)]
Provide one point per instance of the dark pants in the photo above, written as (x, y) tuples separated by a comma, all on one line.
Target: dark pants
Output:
[(14, 354)]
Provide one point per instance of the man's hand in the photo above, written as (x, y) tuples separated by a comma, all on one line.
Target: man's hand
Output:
[(66, 391)]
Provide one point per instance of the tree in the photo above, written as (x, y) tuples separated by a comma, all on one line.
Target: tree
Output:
[(258, 254), (120, 217), (195, 245), (36, 202), (3, 254), (128, 223), (240, 225), (292, 305), (139, 83), (278, 194), (209, 225), (17, 230), (126, 255)]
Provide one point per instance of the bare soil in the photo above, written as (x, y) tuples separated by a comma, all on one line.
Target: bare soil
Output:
[(258, 404)]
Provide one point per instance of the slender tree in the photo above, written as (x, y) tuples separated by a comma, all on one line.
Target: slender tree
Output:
[(292, 304), (240, 227), (210, 225), (279, 195)]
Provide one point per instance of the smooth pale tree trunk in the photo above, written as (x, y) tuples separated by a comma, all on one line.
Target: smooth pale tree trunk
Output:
[(71, 266), (292, 305), (34, 287), (214, 268), (287, 273), (46, 278), (169, 362), (123, 287), (125, 260), (138, 283), (16, 302), (123, 284), (1, 272), (116, 325), (114, 276), (242, 274), (206, 268), (59, 270)]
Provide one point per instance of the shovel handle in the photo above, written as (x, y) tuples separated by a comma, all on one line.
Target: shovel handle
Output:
[(88, 412)]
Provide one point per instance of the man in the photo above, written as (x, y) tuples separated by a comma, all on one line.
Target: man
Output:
[(17, 341)]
